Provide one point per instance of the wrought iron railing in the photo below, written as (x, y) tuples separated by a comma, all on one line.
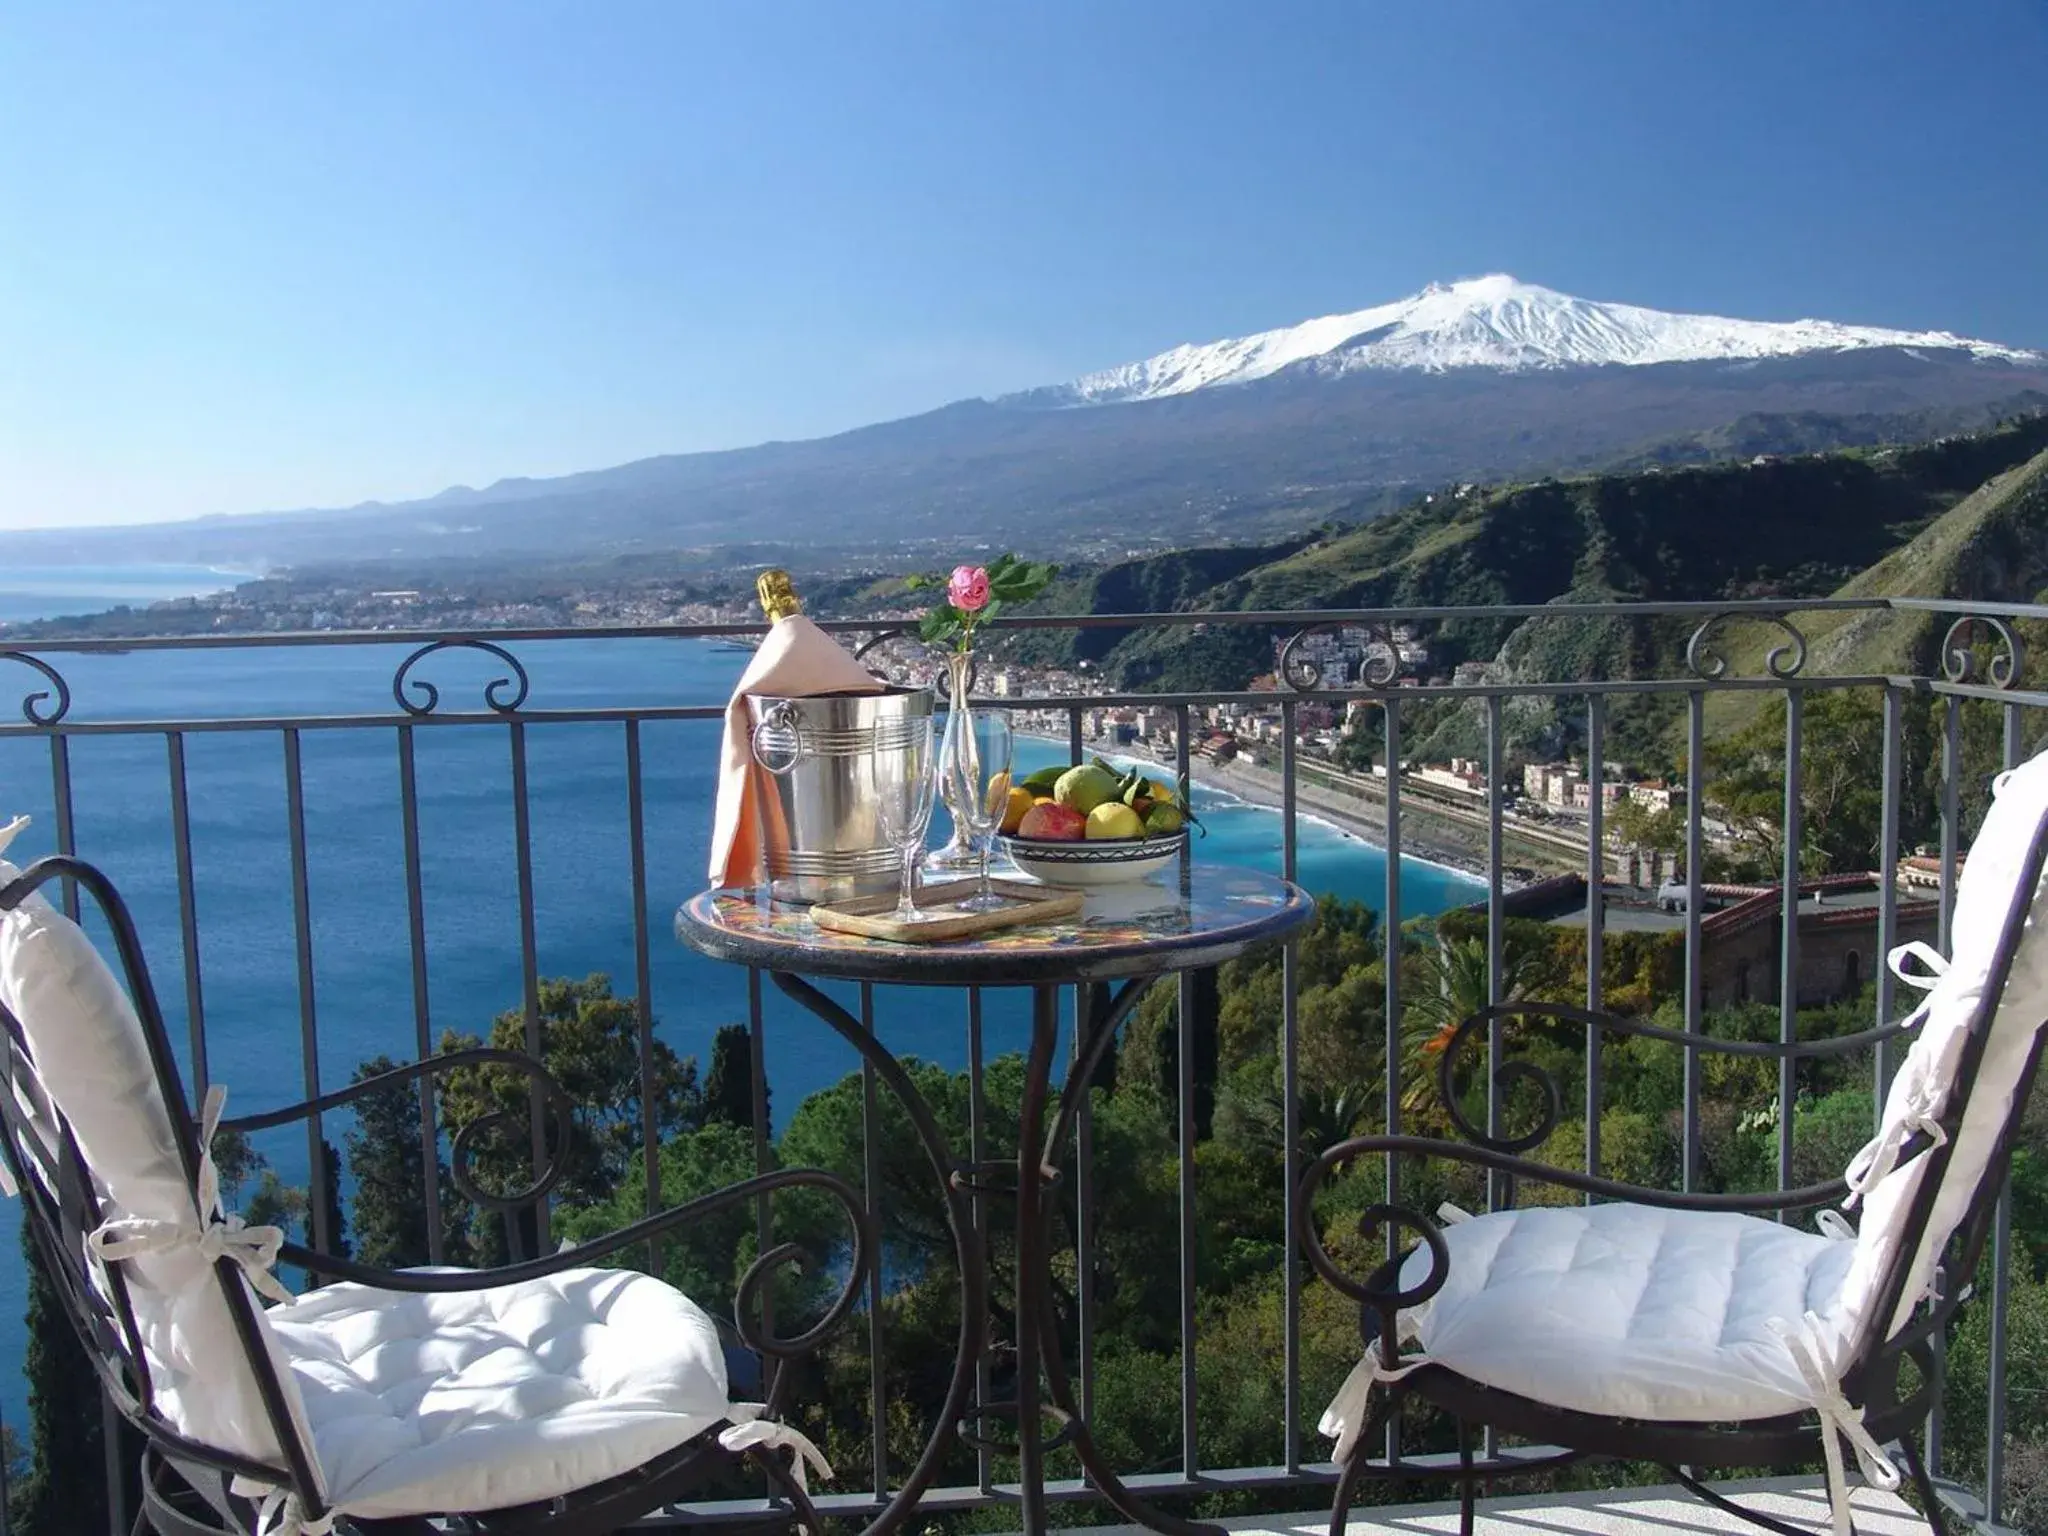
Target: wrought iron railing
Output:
[(85, 699)]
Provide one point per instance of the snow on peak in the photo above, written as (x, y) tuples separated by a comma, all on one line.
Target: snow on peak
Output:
[(1496, 322)]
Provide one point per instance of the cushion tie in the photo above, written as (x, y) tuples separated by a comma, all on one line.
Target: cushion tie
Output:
[(215, 1234), (283, 1513), (1344, 1420), (1927, 955), (750, 1431), (1839, 1419), (1879, 1156), (1834, 1226)]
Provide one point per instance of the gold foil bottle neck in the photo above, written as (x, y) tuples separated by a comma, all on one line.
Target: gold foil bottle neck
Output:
[(778, 595)]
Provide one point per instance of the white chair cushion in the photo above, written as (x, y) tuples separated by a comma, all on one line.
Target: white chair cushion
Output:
[(87, 1045), (1989, 889), (1627, 1309), (424, 1404)]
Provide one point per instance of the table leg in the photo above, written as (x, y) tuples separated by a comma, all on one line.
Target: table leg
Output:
[(1060, 1394), (1039, 1141), (959, 1219), (1034, 1271)]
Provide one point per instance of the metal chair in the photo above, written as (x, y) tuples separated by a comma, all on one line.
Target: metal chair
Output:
[(1682, 1329), (549, 1395)]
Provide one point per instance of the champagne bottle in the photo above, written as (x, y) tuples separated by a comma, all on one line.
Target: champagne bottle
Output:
[(778, 596)]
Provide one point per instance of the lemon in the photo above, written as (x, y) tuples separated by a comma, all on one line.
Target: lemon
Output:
[(1114, 820)]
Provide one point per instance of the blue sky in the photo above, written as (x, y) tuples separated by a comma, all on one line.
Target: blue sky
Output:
[(258, 257)]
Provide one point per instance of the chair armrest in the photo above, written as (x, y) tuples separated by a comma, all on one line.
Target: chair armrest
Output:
[(559, 1111), (1472, 1027), (585, 1255)]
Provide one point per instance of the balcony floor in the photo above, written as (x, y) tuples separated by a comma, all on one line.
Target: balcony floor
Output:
[(1602, 1512)]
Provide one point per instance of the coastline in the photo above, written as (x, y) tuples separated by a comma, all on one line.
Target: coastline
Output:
[(1262, 787)]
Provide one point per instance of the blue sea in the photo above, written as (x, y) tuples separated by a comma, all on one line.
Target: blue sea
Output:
[(247, 976), (54, 591)]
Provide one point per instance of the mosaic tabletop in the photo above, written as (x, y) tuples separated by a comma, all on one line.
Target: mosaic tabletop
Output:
[(1189, 916)]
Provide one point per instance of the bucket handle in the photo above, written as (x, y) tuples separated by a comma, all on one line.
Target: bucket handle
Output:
[(780, 716)]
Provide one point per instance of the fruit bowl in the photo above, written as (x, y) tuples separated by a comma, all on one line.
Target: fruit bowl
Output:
[(1079, 863)]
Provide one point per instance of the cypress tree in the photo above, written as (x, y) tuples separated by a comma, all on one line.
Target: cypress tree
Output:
[(385, 1155), (729, 1086), (65, 1491), (337, 1221)]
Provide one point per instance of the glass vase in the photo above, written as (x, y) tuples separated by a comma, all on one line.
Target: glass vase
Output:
[(959, 852)]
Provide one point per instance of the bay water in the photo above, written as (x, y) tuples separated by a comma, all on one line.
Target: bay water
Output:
[(55, 591)]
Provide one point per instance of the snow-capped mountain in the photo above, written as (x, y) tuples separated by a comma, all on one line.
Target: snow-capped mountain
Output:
[(1497, 322)]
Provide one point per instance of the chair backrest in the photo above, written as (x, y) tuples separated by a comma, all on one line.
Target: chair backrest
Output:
[(1954, 1106), (97, 1129)]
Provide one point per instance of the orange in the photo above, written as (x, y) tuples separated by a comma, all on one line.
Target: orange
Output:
[(1015, 804)]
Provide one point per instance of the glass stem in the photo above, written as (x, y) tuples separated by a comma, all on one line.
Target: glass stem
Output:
[(987, 896), (906, 909)]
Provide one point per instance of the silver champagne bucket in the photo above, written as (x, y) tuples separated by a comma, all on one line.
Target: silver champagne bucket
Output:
[(814, 765)]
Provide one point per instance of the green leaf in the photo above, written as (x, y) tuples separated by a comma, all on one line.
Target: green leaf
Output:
[(1023, 581), (920, 579), (941, 624), (993, 607)]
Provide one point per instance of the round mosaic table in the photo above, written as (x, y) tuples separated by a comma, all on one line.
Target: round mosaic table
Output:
[(1194, 919)]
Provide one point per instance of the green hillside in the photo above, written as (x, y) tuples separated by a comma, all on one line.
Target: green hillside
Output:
[(1794, 527), (1992, 546)]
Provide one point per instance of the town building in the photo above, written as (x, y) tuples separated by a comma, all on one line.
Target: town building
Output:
[(1742, 931)]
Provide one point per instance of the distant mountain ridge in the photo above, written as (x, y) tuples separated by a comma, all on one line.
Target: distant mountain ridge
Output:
[(1482, 381)]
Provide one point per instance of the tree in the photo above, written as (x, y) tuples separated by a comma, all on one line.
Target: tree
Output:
[(13, 1461), (1355, 750), (1457, 982), (236, 1161), (590, 1045), (1634, 825), (1841, 780), (729, 1086), (337, 1220), (705, 1258), (274, 1203), (65, 1490), (389, 1164)]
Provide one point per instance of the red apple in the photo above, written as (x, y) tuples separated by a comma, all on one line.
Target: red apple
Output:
[(1054, 823)]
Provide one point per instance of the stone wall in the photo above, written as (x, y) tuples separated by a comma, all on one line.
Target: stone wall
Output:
[(1838, 954)]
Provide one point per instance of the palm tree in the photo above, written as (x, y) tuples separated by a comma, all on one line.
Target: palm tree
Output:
[(1456, 986), (1325, 1116)]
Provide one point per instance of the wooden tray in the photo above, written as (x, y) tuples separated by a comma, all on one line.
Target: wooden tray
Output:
[(870, 917)]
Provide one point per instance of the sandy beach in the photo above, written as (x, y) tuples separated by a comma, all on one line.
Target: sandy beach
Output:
[(1262, 786)]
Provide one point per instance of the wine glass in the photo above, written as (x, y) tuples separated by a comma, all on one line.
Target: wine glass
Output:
[(904, 779), (978, 775)]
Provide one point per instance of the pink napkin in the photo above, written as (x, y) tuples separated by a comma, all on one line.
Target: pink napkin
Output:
[(797, 660)]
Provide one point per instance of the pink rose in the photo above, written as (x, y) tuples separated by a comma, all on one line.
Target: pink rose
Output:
[(968, 589)]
